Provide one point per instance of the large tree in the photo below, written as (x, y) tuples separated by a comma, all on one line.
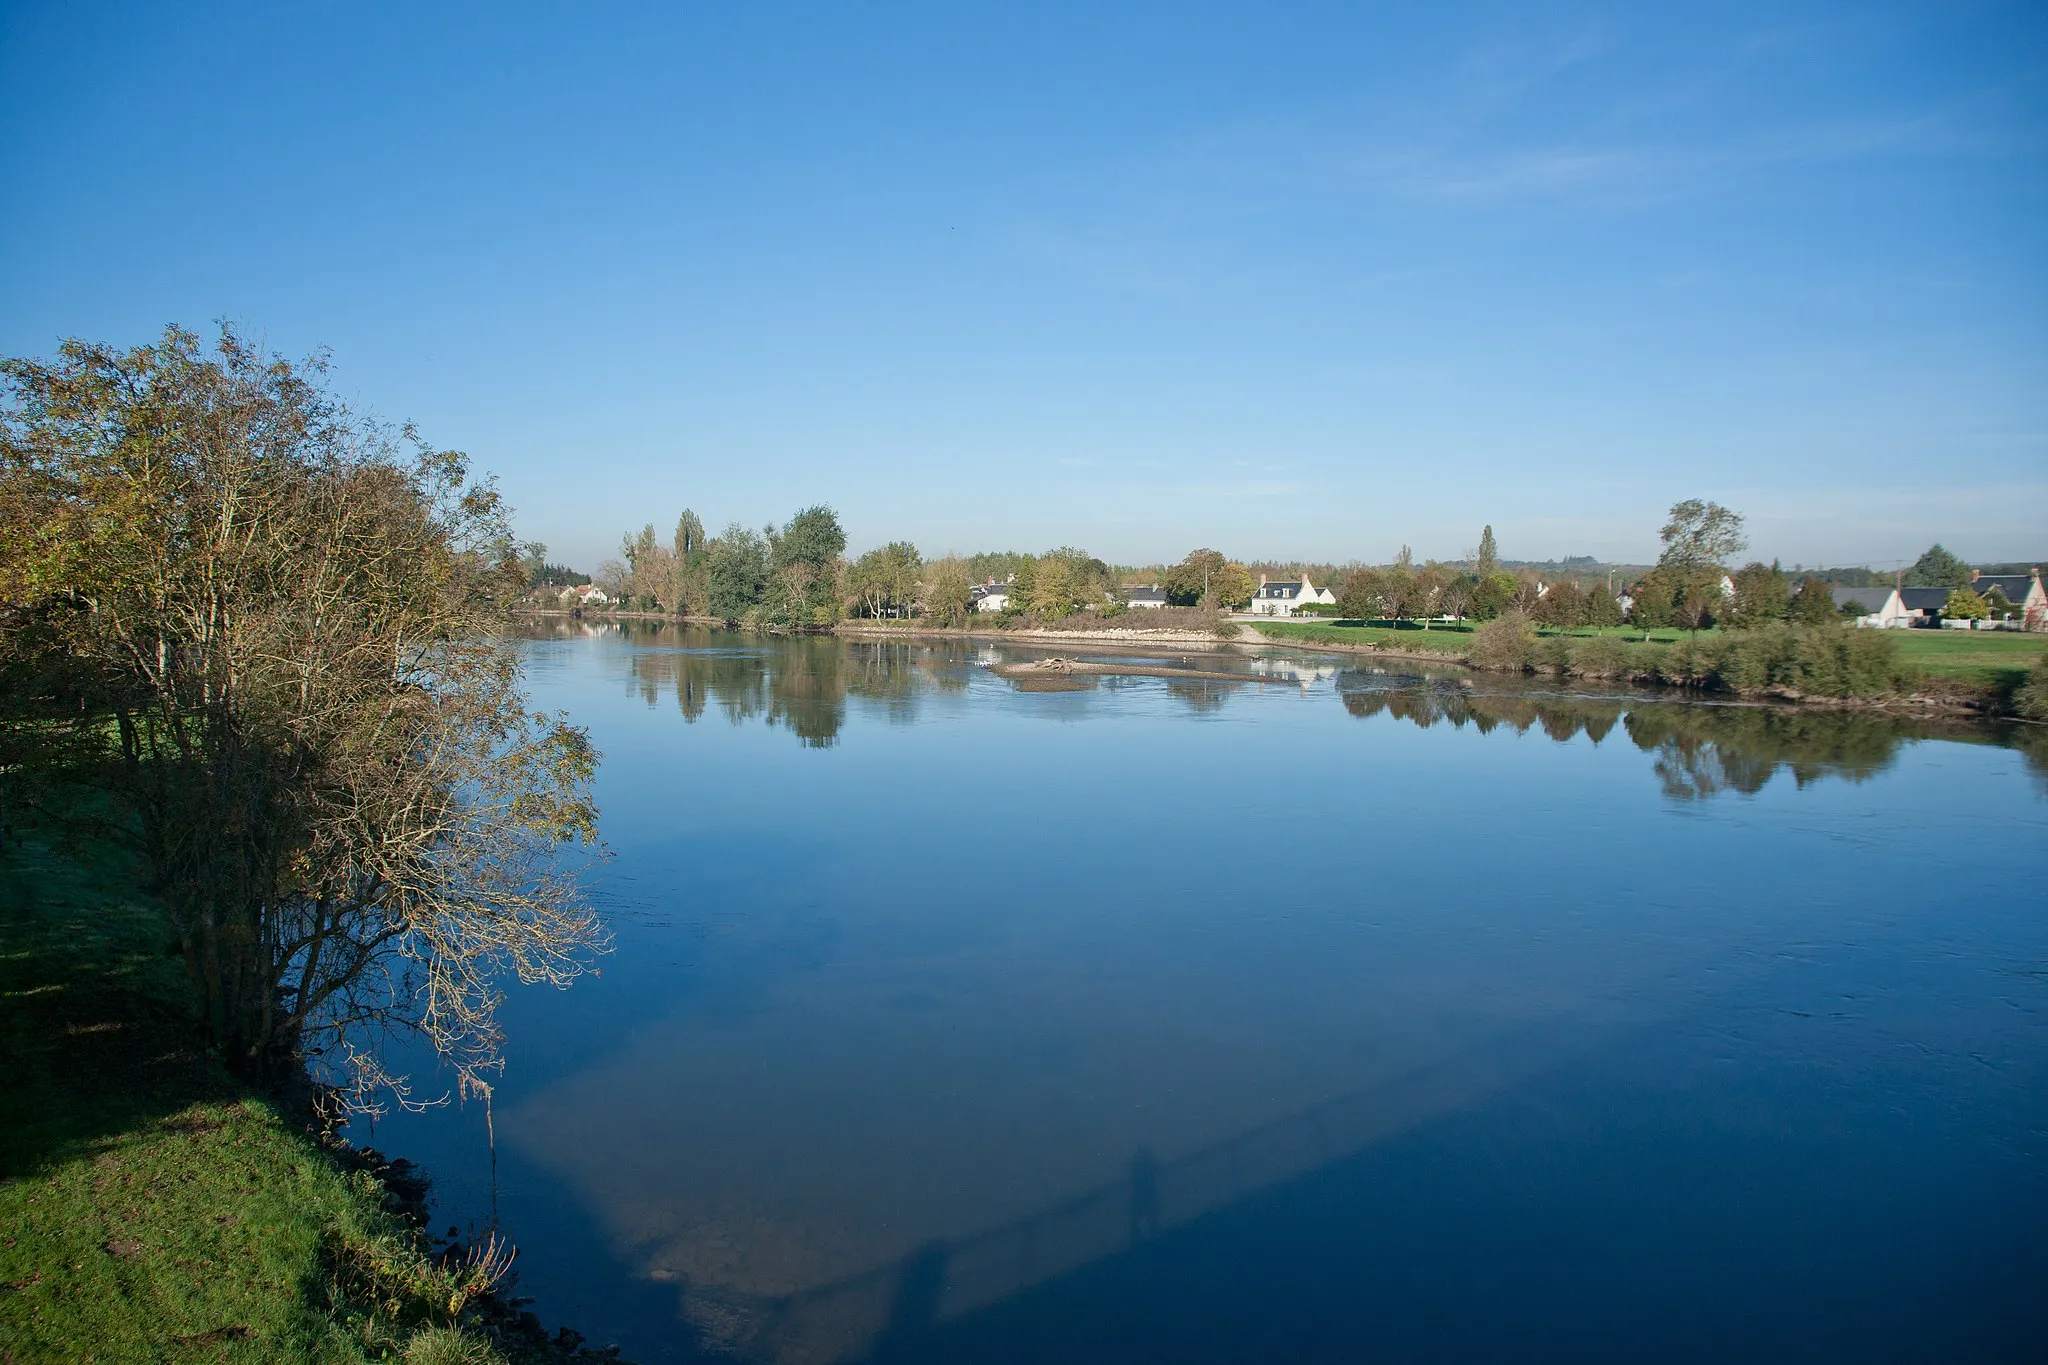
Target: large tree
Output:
[(883, 582), (1813, 604), (1700, 535), (271, 634), (1938, 569), (947, 593), (1362, 598), (1762, 595), (736, 571), (802, 564), (1193, 579), (1054, 592), (1486, 559)]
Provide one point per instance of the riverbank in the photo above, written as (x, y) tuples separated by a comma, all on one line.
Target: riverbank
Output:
[(1962, 673), (157, 1209), (1964, 688)]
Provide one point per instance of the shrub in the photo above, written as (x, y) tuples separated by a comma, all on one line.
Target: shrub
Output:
[(1603, 656), (449, 1346), (1229, 630), (1646, 661), (1554, 653), (2031, 700), (1818, 661), (1503, 643)]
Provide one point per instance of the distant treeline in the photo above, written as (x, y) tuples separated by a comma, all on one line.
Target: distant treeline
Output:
[(796, 575)]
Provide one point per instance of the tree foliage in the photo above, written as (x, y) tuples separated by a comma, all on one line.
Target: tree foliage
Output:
[(1700, 535), (803, 558), (1486, 561), (271, 632), (947, 593), (1054, 593), (1813, 604), (1937, 568), (883, 582), (736, 571), (1762, 594), (1965, 605)]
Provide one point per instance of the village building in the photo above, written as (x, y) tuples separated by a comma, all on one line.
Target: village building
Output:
[(991, 596), (1283, 597), (2023, 590), (1150, 595), (1889, 608)]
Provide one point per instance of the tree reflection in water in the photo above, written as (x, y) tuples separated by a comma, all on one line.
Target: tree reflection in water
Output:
[(1699, 750), (800, 683)]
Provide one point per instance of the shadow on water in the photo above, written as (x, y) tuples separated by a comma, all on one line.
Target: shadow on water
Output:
[(924, 1307), (1465, 1211)]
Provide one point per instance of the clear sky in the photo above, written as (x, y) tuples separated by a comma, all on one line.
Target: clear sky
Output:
[(1292, 281)]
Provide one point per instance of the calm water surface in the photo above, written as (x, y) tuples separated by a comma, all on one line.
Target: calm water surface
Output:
[(1340, 1016)]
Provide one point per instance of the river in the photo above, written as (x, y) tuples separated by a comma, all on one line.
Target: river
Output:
[(1338, 1015)]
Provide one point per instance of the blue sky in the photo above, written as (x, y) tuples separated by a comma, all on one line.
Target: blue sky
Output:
[(1292, 281)]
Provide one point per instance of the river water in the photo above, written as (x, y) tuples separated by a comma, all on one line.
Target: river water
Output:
[(1341, 1015)]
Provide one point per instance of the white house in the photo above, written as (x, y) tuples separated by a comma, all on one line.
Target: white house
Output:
[(2023, 590), (1148, 596), (1284, 598), (584, 595), (1881, 607), (992, 596)]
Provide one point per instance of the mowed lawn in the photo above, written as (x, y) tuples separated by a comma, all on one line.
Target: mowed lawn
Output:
[(1996, 658), (1450, 640), (1989, 658)]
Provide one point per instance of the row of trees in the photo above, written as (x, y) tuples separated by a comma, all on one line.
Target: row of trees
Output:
[(784, 575), (796, 575)]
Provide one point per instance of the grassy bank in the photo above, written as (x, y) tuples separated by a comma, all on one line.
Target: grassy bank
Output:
[(1985, 666), (1990, 658), (153, 1208), (1452, 641)]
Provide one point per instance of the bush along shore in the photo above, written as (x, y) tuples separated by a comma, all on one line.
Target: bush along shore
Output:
[(1828, 663), (1838, 665), (156, 1208)]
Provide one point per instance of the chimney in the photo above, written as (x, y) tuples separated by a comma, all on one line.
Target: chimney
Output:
[(1262, 580), (1973, 575)]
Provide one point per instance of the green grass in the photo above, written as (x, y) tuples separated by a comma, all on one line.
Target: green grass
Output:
[(1439, 638), (1992, 658), (150, 1207), (1451, 641)]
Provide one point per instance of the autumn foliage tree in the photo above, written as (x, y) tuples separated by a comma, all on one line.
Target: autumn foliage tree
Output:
[(270, 633)]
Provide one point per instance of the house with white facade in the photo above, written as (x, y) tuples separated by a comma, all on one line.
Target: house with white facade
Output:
[(2023, 590), (1150, 595), (991, 596), (1878, 606), (584, 595), (1283, 597)]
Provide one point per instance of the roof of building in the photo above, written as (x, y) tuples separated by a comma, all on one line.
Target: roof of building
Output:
[(1924, 599), (1145, 594), (1872, 597), (2013, 585), (1279, 589)]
